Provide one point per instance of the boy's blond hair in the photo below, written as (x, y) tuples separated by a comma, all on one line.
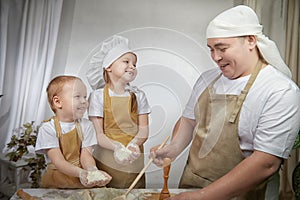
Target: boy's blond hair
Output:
[(55, 87)]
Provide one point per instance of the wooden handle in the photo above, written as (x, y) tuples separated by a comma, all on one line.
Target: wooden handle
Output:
[(145, 168), (167, 166), (165, 191)]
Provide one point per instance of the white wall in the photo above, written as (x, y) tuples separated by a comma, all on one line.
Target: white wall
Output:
[(169, 37)]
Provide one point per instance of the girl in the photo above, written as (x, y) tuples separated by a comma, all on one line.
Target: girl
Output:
[(119, 112)]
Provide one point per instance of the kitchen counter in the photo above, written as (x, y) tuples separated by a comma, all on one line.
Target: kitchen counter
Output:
[(94, 193)]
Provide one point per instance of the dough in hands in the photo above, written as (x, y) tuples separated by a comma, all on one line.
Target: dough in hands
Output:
[(123, 154), (95, 176)]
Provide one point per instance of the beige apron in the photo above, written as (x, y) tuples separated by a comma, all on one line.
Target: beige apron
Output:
[(120, 124), (70, 146), (215, 149)]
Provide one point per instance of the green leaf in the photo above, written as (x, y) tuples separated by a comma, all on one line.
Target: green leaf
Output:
[(297, 142), (13, 156), (20, 144)]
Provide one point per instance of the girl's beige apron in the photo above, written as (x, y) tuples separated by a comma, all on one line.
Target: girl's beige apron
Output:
[(120, 124), (70, 146), (215, 149)]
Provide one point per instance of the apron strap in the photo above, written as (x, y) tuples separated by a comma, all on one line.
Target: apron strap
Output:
[(210, 86), (79, 130), (133, 106), (244, 92), (57, 127), (106, 103)]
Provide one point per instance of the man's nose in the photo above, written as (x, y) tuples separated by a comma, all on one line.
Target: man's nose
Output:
[(216, 56)]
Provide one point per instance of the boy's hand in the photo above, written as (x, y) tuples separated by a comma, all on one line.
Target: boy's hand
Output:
[(105, 181), (97, 177), (83, 177)]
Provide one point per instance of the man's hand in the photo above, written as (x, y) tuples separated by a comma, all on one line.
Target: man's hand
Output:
[(191, 195), (158, 155)]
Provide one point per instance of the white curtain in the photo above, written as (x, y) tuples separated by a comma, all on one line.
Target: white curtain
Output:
[(292, 57), (28, 36), (282, 20)]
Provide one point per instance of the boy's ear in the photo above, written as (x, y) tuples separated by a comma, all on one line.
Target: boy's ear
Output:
[(56, 102)]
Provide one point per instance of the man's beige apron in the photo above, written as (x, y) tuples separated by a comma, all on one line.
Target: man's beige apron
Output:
[(70, 146), (215, 149), (120, 124)]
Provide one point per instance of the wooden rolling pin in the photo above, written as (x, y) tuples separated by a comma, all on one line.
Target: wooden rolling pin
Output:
[(165, 191)]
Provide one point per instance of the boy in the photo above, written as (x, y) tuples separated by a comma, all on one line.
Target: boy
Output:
[(67, 138)]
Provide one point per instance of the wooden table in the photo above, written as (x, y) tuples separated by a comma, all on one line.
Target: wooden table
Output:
[(57, 194)]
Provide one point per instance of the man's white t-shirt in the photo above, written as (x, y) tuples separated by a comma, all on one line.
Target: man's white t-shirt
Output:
[(270, 115)]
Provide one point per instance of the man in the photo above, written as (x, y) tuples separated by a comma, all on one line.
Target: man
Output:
[(245, 115)]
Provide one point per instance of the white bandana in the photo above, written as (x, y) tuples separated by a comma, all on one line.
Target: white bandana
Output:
[(240, 21)]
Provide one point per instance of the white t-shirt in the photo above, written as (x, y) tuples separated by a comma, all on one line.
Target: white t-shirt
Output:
[(47, 139), (96, 102), (270, 116)]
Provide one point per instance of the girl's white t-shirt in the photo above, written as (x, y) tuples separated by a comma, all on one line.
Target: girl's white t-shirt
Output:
[(96, 102)]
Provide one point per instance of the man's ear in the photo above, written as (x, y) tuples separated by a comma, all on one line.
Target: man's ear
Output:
[(108, 69), (252, 41), (56, 102)]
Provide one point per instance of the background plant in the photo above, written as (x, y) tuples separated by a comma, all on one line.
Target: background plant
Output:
[(20, 142), (297, 142)]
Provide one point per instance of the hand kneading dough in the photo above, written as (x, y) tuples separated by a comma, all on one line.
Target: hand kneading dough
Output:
[(123, 154)]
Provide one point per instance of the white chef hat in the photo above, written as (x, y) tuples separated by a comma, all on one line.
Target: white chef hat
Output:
[(110, 50), (241, 21)]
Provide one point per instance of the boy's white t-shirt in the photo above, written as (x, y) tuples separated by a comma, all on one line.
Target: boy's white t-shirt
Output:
[(47, 139)]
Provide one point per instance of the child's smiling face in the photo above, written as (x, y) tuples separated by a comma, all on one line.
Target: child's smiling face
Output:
[(73, 100), (124, 68)]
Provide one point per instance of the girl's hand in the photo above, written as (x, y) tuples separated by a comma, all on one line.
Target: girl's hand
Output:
[(121, 154), (135, 151)]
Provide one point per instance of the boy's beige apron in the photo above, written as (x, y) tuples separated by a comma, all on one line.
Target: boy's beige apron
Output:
[(70, 146), (206, 163), (120, 124)]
